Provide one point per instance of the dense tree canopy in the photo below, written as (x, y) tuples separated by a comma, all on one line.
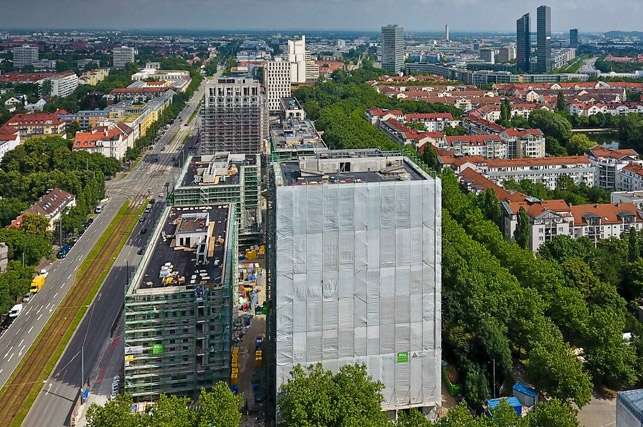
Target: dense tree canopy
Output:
[(219, 407)]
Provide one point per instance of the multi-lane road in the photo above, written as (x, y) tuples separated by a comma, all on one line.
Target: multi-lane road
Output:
[(148, 179)]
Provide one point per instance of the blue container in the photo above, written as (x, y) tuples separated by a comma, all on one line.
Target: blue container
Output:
[(512, 401)]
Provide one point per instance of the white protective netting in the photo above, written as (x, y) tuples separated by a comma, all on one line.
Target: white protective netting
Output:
[(358, 281)]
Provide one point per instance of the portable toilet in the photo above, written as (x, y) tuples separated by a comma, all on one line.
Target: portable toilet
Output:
[(525, 394)]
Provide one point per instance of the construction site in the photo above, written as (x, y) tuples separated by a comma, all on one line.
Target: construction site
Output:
[(179, 305)]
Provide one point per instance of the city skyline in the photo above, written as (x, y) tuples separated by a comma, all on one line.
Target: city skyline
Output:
[(461, 15)]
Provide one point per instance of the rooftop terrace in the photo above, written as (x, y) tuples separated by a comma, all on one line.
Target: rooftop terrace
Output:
[(293, 133)]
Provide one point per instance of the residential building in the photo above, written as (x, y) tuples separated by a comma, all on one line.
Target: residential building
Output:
[(370, 242), (44, 65), (630, 177), (178, 306), (312, 69), (393, 48), (224, 178), (524, 142), (635, 197), (62, 84), (24, 55), (573, 38), (9, 139), (93, 77), (488, 55), (297, 60), (547, 219), (523, 43), (433, 122), (162, 75), (608, 163), (37, 124), (543, 39), (4, 257), (123, 55), (293, 135), (234, 116), (506, 54), (629, 408), (488, 146), (276, 80), (602, 221), (109, 139), (51, 205), (546, 170), (87, 119)]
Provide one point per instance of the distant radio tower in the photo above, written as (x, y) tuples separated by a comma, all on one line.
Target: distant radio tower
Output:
[(446, 32)]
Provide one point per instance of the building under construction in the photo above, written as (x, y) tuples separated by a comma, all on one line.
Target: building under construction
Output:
[(234, 116), (178, 307), (354, 271), (225, 178)]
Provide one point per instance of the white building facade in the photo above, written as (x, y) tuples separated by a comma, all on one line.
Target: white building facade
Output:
[(297, 59), (123, 55), (276, 80)]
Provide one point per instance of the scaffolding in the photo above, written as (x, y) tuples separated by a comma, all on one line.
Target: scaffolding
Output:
[(178, 332)]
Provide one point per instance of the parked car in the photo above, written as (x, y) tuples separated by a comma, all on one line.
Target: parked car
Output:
[(141, 250), (143, 230), (26, 298), (142, 219)]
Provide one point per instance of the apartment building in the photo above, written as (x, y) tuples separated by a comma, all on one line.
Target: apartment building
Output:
[(488, 146), (109, 139), (602, 221), (123, 55), (234, 116), (24, 55), (434, 122), (608, 163), (224, 178), (87, 119), (9, 139), (547, 170), (51, 205), (353, 232), (62, 84), (276, 80), (524, 142), (37, 124), (178, 305), (630, 177)]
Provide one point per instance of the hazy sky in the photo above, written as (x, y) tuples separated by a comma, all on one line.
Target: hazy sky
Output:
[(414, 15)]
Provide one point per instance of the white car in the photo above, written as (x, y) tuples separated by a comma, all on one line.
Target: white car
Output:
[(44, 272)]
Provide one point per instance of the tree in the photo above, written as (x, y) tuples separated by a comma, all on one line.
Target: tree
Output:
[(72, 129), (114, 413), (46, 87), (561, 105), (633, 248), (491, 206), (552, 413), (36, 225), (579, 144), (220, 406), (430, 157), (551, 124), (315, 397), (521, 235)]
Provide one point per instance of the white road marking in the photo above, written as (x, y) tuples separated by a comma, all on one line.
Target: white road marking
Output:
[(55, 295), (21, 342), (7, 354), (22, 350), (49, 388), (29, 331), (27, 312), (76, 268), (39, 310), (47, 306), (69, 277), (39, 317), (10, 357), (62, 286)]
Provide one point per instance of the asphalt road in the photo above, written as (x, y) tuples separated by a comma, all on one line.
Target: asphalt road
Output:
[(54, 404)]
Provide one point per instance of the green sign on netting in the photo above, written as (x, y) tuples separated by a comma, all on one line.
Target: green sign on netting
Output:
[(159, 348), (403, 357)]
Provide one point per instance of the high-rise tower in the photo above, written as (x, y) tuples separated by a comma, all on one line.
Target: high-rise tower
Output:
[(543, 39), (573, 38), (392, 48), (523, 43)]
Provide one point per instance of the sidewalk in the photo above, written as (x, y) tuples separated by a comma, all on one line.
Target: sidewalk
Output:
[(101, 377)]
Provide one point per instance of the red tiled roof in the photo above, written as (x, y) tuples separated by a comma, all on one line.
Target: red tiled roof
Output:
[(521, 162), (600, 151), (634, 168), (537, 208), (522, 132), (607, 212), (429, 116), (33, 119), (473, 140), (477, 178), (84, 140)]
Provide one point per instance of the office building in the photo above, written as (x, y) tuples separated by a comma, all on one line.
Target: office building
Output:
[(506, 54), (123, 55), (446, 32), (354, 274), (24, 55), (573, 38), (523, 43), (234, 116), (393, 48), (224, 178), (488, 55), (178, 305), (543, 39), (297, 59), (276, 80)]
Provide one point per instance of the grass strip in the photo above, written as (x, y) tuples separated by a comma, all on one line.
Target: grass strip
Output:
[(82, 309), (194, 113)]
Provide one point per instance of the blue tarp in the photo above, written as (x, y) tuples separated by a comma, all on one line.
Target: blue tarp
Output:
[(525, 389), (85, 394), (512, 401)]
